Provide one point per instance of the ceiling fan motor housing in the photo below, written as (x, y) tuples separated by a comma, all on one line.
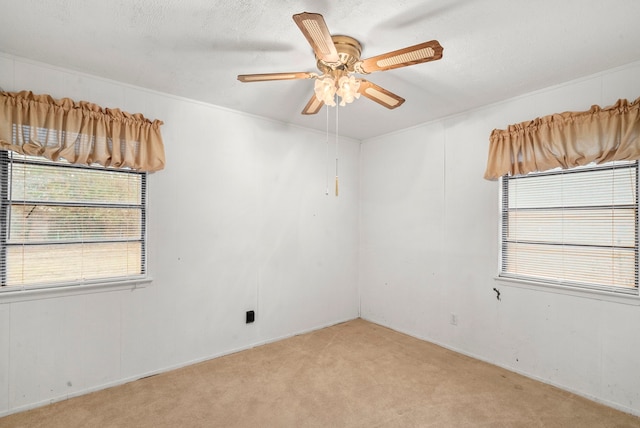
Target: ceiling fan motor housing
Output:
[(349, 50)]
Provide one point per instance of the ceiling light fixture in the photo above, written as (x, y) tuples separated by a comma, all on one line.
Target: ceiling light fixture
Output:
[(348, 89), (337, 82), (325, 89)]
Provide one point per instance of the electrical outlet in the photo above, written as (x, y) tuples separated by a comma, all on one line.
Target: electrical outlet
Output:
[(454, 319), (251, 317)]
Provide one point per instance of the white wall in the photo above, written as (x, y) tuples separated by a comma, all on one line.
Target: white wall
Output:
[(246, 225), (238, 221), (429, 248)]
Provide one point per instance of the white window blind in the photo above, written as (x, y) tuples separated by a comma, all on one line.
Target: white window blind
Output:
[(64, 223), (576, 227)]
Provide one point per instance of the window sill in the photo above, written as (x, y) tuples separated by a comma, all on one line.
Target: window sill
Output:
[(21, 294), (627, 299)]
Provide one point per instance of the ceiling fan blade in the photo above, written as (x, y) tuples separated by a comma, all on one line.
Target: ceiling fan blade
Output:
[(313, 106), (275, 76), (315, 30), (380, 95), (417, 54)]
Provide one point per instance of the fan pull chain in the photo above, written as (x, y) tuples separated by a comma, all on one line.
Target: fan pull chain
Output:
[(327, 156), (337, 136)]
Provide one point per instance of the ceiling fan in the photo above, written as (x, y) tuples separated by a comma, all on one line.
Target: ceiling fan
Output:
[(338, 58)]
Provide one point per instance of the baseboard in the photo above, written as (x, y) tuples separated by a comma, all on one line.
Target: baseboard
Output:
[(614, 405), (166, 369)]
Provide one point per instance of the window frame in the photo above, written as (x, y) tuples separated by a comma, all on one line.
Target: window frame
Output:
[(612, 292), (52, 289)]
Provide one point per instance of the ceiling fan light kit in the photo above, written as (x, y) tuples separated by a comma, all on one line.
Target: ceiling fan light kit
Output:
[(338, 59), (331, 84)]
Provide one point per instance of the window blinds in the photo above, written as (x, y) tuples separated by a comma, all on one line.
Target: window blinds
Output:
[(66, 224), (573, 227)]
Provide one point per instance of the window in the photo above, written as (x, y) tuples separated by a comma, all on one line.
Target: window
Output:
[(64, 224), (576, 227)]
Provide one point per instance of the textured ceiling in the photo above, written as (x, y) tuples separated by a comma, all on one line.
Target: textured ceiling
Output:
[(493, 49)]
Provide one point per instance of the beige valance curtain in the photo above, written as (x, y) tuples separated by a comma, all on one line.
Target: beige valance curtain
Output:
[(79, 132), (566, 140)]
